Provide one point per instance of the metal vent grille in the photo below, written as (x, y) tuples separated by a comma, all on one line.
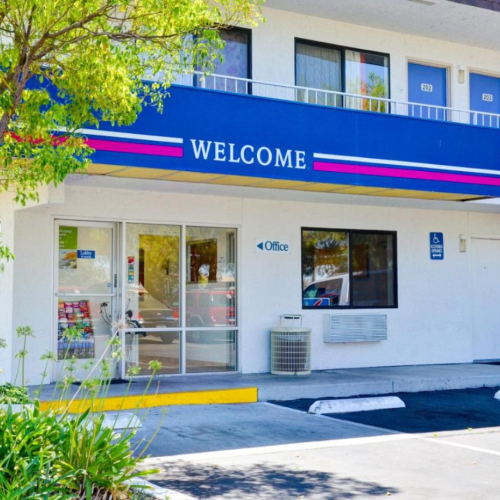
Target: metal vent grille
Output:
[(356, 328)]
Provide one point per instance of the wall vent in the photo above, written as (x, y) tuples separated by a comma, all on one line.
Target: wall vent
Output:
[(355, 328)]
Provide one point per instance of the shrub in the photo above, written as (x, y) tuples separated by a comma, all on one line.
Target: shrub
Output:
[(52, 455), (11, 394), (44, 456)]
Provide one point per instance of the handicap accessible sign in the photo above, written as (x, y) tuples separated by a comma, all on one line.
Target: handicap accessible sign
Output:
[(437, 246)]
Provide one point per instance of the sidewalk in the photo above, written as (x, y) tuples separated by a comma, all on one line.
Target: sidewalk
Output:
[(228, 388)]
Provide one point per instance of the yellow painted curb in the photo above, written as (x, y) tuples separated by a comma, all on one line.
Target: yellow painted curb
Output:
[(220, 396)]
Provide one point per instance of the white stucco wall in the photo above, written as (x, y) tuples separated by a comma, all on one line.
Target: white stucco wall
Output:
[(6, 288), (273, 51), (431, 325)]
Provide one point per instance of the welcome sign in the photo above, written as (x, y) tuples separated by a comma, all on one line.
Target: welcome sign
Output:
[(232, 134)]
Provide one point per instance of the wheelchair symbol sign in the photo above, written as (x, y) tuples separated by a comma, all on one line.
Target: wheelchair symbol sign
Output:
[(437, 246)]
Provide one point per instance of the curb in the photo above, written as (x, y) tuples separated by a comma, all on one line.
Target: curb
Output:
[(150, 490), (219, 396)]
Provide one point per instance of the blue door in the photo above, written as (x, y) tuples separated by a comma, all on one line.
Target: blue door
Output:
[(427, 86), (484, 98)]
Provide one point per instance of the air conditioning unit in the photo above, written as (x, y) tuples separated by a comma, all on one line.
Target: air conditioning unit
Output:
[(291, 347)]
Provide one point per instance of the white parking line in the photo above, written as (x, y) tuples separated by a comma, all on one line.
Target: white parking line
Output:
[(388, 435), (458, 445), (400, 434), (310, 445)]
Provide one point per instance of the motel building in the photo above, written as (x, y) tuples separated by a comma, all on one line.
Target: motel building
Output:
[(342, 163)]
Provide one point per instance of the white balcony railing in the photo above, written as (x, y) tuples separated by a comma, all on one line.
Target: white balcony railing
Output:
[(338, 99)]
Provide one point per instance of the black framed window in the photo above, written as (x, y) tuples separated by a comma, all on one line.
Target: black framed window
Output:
[(331, 68), (344, 268), (236, 62)]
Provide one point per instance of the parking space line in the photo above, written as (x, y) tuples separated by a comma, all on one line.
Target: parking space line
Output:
[(387, 436), (293, 447), (401, 435), (458, 445)]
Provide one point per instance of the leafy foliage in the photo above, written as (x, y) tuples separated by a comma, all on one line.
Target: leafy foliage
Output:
[(69, 64), (10, 394), (43, 456), (94, 458), (53, 455)]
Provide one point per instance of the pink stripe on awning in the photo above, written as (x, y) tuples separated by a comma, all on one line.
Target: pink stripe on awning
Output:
[(130, 147), (347, 168)]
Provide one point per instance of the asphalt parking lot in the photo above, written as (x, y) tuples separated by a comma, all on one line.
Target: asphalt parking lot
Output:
[(443, 445), (427, 412)]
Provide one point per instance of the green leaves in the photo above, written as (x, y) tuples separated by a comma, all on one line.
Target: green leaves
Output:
[(69, 64), (43, 456), (10, 394)]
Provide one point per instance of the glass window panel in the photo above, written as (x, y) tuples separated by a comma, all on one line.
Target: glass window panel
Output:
[(373, 270), (153, 260), (234, 63), (210, 277), (143, 347), (210, 351), (325, 268), (92, 317), (366, 74), (85, 260), (318, 67)]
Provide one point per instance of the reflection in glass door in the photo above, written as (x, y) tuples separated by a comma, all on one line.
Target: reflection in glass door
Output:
[(85, 283), (152, 297), (210, 299), (182, 315)]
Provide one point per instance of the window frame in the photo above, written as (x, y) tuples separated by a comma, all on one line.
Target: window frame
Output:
[(342, 49), (349, 232)]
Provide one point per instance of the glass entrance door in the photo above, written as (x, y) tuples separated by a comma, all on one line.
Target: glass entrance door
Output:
[(180, 298), (152, 297), (85, 291)]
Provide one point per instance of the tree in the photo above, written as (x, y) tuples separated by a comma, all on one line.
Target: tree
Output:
[(70, 64)]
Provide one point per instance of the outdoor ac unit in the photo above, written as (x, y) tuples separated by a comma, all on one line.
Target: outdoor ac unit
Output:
[(355, 328), (291, 348)]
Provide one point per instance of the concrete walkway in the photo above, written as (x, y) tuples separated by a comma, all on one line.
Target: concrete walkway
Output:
[(330, 383)]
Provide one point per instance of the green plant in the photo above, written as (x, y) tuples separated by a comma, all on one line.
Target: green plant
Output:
[(53, 455), (22, 332), (96, 460), (29, 443), (11, 394), (95, 60)]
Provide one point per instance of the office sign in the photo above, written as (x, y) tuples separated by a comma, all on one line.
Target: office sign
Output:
[(437, 246), (272, 246)]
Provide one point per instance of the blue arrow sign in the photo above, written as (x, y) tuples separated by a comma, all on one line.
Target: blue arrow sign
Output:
[(272, 246)]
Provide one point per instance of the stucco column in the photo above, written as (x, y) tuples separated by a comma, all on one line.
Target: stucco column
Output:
[(7, 207)]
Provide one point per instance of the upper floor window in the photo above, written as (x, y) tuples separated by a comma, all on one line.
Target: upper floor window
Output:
[(325, 67), (236, 53), (236, 63)]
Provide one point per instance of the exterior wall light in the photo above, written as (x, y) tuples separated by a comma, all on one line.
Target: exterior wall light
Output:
[(461, 74), (463, 243)]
